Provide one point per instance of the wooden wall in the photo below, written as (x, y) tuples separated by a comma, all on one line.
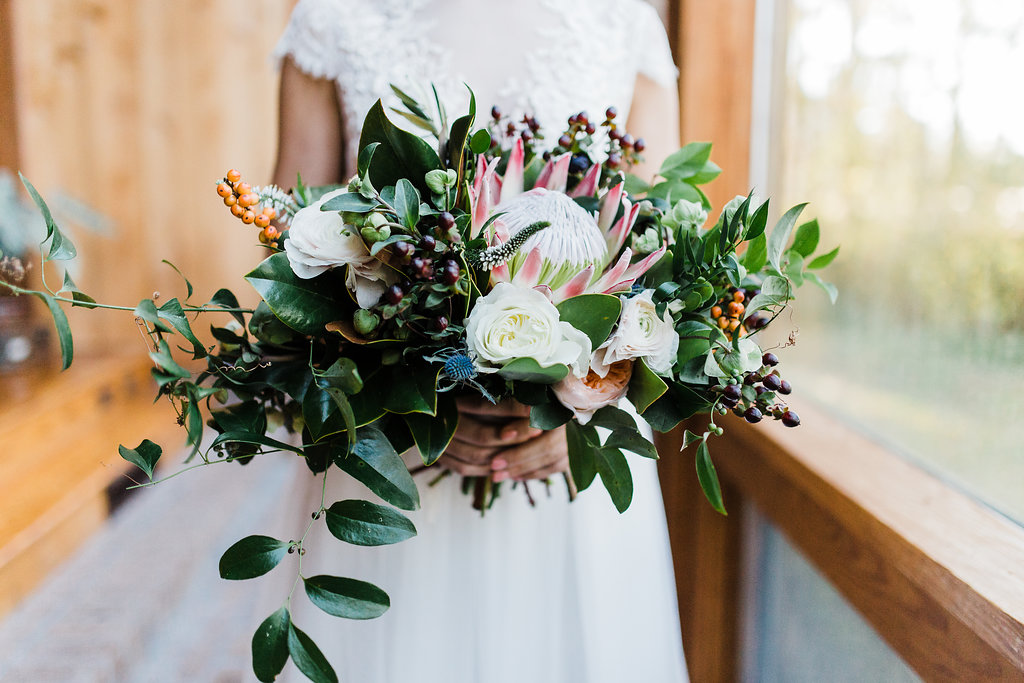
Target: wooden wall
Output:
[(136, 108)]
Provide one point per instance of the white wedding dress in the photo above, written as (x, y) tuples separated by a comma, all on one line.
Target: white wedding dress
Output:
[(552, 594)]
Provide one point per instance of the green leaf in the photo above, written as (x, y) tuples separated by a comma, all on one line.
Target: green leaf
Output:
[(780, 235), (592, 314), (321, 414), (581, 453), (400, 155), (823, 260), (775, 291), (689, 438), (433, 433), (147, 311), (635, 185), (806, 239), (268, 328), (632, 441), (756, 255), (251, 557), (705, 175), (548, 416), (188, 285), (347, 598), (60, 322), (144, 456), (225, 298), (162, 357), (80, 298), (365, 156), (708, 478), (61, 248), (829, 288), (458, 138), (529, 370), (304, 305), (407, 203), (340, 399), (253, 438), (686, 162), (174, 314), (270, 646), (757, 223), (480, 142), (308, 658), (374, 462), (343, 374), (409, 388), (615, 475), (677, 404), (361, 522), (349, 201), (645, 387)]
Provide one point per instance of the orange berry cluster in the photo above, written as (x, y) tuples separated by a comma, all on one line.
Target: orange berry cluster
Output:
[(730, 318), (245, 206)]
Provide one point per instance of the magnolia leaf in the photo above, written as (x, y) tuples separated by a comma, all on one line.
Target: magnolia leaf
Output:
[(347, 598), (592, 314), (548, 416), (400, 154), (270, 646), (308, 658), (632, 441), (361, 522), (582, 441), (251, 557), (306, 306), (432, 434), (645, 387), (409, 388), (144, 456), (529, 370)]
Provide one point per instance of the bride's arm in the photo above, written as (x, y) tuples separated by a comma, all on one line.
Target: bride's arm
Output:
[(654, 116), (309, 134)]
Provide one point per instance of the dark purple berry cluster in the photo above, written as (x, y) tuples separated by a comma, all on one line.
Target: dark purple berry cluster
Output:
[(758, 395)]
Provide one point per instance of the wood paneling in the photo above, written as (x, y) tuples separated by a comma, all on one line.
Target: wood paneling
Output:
[(8, 119), (136, 108)]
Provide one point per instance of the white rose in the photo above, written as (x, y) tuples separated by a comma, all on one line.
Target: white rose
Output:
[(320, 240), (513, 322), (640, 334)]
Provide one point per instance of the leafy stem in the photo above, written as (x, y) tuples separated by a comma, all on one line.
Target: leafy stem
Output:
[(299, 548)]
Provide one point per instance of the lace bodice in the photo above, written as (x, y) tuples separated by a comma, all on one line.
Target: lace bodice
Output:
[(549, 58)]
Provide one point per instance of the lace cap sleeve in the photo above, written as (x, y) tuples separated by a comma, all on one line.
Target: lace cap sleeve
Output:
[(311, 38), (650, 42)]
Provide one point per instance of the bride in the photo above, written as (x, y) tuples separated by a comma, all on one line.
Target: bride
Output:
[(545, 594)]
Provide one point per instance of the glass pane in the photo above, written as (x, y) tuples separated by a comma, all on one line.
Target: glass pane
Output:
[(798, 628), (904, 124)]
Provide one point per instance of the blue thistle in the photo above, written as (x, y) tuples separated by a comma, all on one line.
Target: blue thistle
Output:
[(459, 367)]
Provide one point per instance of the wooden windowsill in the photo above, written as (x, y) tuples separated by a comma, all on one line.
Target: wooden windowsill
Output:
[(938, 575)]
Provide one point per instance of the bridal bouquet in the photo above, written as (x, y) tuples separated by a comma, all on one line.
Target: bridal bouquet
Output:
[(486, 261)]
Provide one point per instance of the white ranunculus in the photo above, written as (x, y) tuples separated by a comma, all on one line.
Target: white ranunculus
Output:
[(513, 322), (320, 240), (640, 334)]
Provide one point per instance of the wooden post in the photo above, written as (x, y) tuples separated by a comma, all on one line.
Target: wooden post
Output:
[(713, 43), (8, 112)]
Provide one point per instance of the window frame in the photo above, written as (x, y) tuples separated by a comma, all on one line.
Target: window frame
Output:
[(937, 574)]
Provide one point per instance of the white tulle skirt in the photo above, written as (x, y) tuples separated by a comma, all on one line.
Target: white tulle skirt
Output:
[(548, 594)]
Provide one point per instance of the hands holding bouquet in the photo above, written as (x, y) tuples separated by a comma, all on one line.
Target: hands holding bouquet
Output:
[(485, 300)]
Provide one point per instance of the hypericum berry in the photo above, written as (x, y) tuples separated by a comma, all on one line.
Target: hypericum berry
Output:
[(760, 390), (733, 325), (591, 129), (614, 134), (249, 199), (495, 113), (427, 243), (224, 190), (583, 118), (526, 135), (732, 391), (445, 220), (510, 129), (772, 382), (403, 250), (751, 379), (610, 113), (394, 295), (450, 274), (573, 119), (565, 141), (770, 359), (723, 322), (790, 419), (752, 415), (639, 145), (614, 160), (626, 141), (533, 123), (440, 323), (272, 232), (729, 403), (785, 387)]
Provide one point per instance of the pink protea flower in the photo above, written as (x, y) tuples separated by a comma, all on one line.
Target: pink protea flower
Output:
[(577, 253)]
